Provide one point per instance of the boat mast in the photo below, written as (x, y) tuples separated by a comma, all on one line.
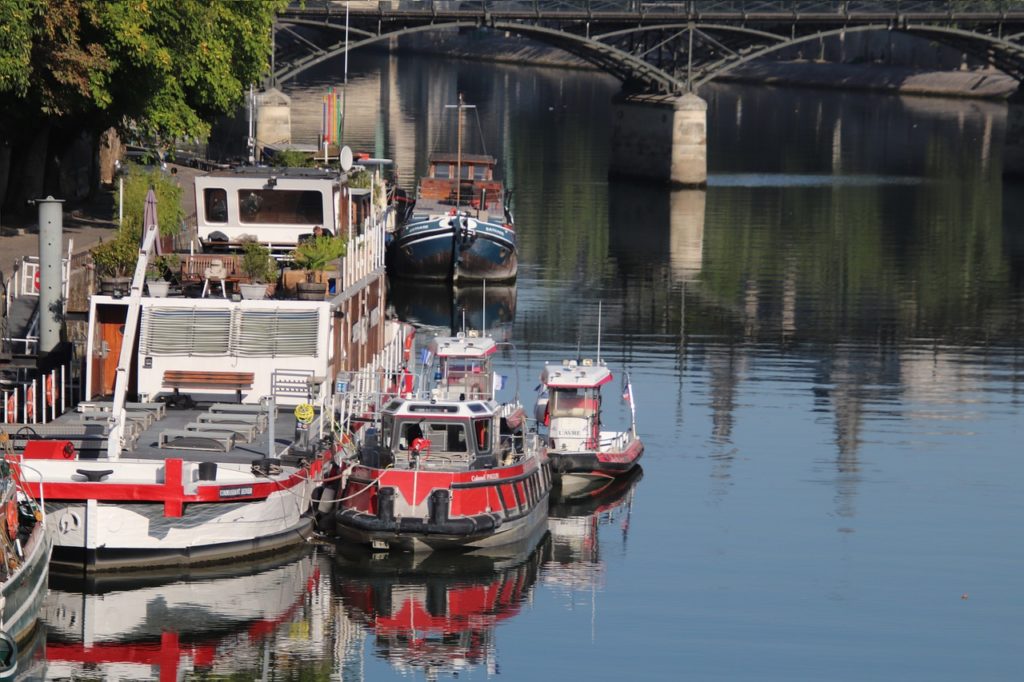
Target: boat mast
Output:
[(599, 332), (458, 159)]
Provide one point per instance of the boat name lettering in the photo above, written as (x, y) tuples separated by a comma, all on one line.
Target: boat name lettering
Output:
[(236, 492), (485, 477)]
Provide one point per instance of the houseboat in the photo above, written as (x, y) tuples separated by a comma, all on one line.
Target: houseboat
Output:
[(461, 228), (205, 421), (580, 452), (280, 207), (450, 470)]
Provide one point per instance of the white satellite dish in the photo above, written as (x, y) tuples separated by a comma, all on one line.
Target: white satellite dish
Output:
[(345, 158)]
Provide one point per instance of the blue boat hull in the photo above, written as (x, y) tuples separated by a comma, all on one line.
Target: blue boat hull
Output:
[(450, 248)]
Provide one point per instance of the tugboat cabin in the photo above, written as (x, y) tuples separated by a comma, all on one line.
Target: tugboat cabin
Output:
[(573, 407), (463, 367), (449, 435)]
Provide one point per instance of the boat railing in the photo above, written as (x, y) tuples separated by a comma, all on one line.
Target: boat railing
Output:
[(360, 394), (42, 497), (365, 253), (616, 441)]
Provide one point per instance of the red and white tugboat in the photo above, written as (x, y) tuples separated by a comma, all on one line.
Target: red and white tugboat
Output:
[(451, 471), (580, 452)]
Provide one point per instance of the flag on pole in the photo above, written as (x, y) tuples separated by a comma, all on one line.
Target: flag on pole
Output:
[(498, 382), (627, 393), (425, 356)]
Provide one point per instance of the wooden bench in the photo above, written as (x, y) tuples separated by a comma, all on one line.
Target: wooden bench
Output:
[(236, 381), (193, 267)]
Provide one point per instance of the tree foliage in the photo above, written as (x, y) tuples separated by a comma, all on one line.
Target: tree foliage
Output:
[(161, 69)]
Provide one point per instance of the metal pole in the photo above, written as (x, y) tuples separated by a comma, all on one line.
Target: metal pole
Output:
[(458, 159), (51, 273), (344, 86), (272, 408)]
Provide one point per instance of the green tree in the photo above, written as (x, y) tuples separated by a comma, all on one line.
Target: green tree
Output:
[(156, 69)]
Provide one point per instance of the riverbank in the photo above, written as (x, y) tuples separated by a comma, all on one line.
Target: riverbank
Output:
[(86, 222)]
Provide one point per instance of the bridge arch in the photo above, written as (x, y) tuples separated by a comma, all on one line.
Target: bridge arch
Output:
[(722, 47), (608, 58)]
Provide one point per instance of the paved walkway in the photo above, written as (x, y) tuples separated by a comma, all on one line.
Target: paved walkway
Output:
[(85, 222)]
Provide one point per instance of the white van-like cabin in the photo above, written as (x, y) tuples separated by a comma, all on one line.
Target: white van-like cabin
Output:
[(276, 206)]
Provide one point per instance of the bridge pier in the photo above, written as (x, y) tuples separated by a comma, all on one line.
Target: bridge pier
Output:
[(661, 138), (1013, 147)]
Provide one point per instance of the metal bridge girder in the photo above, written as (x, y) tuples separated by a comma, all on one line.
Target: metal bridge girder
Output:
[(659, 47)]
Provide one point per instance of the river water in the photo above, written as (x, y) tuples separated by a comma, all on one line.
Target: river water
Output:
[(825, 350)]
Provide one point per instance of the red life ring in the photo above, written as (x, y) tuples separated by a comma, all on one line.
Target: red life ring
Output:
[(12, 519), (48, 387), (35, 280), (11, 417)]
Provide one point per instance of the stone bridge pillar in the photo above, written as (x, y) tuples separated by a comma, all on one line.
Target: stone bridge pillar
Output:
[(661, 138), (1013, 148)]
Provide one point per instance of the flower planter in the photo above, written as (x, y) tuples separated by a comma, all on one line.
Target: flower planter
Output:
[(310, 291), (112, 286), (253, 292), (158, 288)]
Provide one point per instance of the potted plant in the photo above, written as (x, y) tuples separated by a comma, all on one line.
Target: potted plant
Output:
[(159, 270), (259, 267), (313, 256), (114, 261)]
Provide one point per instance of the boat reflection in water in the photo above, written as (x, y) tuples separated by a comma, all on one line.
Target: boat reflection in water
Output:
[(575, 520), (490, 307), (207, 623), (437, 613)]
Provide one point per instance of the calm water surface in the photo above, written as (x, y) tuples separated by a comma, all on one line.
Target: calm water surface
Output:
[(826, 353)]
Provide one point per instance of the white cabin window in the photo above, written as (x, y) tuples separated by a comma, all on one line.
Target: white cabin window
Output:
[(215, 200), (281, 206)]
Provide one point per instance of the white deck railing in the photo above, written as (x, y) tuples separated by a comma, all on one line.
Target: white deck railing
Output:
[(365, 252)]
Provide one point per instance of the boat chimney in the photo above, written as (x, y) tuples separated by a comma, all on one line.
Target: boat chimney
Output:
[(51, 280)]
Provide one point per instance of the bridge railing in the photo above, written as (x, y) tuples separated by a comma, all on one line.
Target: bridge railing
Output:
[(664, 7)]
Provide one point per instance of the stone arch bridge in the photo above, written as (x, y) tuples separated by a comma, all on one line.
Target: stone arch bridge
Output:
[(661, 51)]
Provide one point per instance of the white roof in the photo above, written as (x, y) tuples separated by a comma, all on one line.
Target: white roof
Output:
[(445, 409), (462, 346), (571, 374)]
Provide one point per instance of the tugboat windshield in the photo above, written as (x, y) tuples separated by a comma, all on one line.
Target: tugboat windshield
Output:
[(574, 402)]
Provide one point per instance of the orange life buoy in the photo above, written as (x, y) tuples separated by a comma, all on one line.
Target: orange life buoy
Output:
[(48, 387), (11, 417), (12, 519), (30, 403), (408, 345)]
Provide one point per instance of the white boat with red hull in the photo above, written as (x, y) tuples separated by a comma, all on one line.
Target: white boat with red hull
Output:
[(444, 474), (580, 452)]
